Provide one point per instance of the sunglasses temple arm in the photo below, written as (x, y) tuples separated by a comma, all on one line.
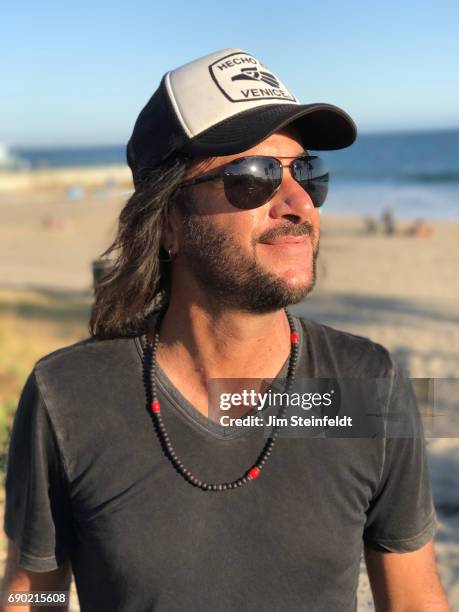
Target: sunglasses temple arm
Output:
[(201, 179)]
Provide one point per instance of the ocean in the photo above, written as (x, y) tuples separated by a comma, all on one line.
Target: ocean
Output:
[(416, 174)]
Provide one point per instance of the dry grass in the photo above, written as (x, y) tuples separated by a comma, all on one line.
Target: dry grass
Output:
[(32, 324)]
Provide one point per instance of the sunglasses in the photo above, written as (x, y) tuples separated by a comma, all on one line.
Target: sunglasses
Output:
[(250, 182)]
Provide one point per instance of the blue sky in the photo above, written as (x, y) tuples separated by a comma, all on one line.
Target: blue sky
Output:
[(76, 73)]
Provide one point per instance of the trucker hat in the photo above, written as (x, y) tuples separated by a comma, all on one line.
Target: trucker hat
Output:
[(225, 103)]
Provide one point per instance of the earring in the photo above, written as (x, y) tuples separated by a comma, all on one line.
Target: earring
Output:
[(170, 253)]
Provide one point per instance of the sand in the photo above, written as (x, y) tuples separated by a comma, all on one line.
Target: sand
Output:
[(398, 290), (56, 179)]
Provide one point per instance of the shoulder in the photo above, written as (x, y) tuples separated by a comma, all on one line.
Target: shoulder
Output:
[(82, 359), (345, 353)]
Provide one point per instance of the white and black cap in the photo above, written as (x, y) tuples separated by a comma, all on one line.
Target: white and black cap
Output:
[(225, 103)]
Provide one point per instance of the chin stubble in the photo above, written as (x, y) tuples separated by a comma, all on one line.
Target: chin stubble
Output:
[(236, 280)]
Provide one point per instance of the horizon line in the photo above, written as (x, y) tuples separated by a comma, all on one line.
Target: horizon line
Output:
[(101, 144)]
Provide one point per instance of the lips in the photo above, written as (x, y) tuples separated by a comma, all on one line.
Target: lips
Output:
[(287, 240)]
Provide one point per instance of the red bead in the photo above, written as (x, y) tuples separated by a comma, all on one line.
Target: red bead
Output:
[(155, 407), (254, 473), (294, 338)]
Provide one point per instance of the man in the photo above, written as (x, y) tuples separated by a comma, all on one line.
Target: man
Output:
[(116, 466)]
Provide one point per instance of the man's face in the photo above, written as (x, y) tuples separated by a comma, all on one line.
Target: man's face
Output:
[(256, 260)]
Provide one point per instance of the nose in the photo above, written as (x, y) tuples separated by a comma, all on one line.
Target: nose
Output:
[(291, 201)]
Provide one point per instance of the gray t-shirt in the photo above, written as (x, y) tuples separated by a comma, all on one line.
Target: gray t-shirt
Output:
[(87, 480)]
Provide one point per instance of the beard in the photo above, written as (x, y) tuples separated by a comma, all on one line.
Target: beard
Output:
[(234, 279)]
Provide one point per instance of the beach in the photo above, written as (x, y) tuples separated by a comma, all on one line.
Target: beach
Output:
[(398, 290)]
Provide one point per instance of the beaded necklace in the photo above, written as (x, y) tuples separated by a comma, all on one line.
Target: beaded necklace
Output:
[(155, 410)]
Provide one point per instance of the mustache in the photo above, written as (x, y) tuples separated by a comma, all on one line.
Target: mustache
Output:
[(304, 229)]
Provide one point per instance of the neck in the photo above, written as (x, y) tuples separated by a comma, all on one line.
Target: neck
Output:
[(215, 342)]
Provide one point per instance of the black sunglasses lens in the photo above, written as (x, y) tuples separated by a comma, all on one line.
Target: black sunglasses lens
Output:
[(251, 181), (312, 174)]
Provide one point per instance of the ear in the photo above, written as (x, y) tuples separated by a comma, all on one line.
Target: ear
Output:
[(172, 230)]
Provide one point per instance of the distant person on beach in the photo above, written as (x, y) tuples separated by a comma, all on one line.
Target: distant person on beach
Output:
[(388, 221), (420, 229), (371, 225), (122, 471)]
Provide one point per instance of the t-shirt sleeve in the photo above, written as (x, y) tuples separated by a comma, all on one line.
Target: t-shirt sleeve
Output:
[(37, 509), (401, 515)]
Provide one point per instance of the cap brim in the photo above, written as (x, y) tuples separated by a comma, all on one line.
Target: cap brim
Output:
[(321, 127)]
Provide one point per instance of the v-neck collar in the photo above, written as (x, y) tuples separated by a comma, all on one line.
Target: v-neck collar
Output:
[(191, 414)]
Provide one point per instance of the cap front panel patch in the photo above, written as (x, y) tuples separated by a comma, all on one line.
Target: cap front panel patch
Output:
[(242, 78)]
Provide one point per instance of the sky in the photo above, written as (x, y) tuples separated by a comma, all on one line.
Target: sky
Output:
[(78, 73)]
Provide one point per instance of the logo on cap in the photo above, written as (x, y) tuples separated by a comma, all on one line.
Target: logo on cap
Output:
[(242, 78), (252, 74)]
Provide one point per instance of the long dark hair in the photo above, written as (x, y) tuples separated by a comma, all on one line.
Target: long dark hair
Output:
[(138, 281)]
